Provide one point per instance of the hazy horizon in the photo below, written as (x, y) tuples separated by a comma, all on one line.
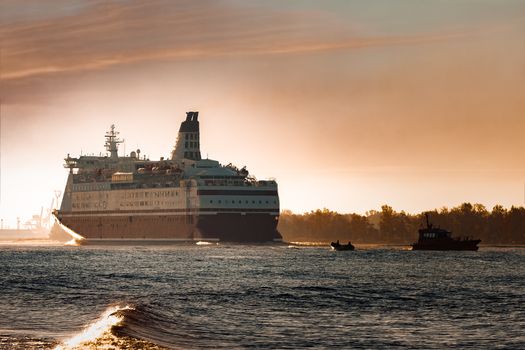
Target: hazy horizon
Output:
[(348, 104)]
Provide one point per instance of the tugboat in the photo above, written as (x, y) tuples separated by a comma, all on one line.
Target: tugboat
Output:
[(435, 238), (339, 246)]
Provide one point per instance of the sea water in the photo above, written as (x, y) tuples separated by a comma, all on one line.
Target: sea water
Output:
[(241, 296)]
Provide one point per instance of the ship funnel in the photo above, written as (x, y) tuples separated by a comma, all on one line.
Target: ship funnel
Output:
[(188, 144)]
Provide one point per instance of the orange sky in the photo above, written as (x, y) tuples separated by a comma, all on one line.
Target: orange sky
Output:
[(349, 105)]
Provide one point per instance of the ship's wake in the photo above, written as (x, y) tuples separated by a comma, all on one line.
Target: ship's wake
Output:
[(206, 243), (75, 242), (76, 239)]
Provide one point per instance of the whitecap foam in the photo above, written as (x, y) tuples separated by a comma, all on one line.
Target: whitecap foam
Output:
[(205, 243), (77, 239), (73, 242)]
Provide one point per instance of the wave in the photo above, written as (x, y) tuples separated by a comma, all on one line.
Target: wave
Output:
[(156, 326), (109, 331)]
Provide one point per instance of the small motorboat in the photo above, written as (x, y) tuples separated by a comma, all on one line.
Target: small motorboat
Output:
[(339, 246)]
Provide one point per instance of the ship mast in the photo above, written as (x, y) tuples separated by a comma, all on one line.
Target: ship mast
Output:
[(112, 142), (429, 225)]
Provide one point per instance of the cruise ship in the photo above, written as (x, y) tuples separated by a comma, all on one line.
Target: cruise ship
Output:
[(114, 198)]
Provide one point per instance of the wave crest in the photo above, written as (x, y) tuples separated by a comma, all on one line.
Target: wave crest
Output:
[(102, 334)]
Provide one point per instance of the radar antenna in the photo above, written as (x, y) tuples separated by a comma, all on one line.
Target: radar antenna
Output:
[(112, 142)]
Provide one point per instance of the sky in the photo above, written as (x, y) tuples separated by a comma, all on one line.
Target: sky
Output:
[(348, 104)]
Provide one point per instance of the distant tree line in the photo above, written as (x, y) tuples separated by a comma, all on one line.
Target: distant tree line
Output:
[(499, 226)]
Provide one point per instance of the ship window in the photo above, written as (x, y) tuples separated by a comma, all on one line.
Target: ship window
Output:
[(220, 201), (260, 202), (211, 201), (240, 202)]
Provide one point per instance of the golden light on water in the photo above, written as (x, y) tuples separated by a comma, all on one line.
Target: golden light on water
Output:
[(96, 329)]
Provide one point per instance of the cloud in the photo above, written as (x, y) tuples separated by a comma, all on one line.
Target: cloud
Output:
[(105, 35), (411, 98)]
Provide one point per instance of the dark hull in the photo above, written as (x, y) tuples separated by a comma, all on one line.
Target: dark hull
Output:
[(340, 247), (239, 228), (454, 245), (231, 227)]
